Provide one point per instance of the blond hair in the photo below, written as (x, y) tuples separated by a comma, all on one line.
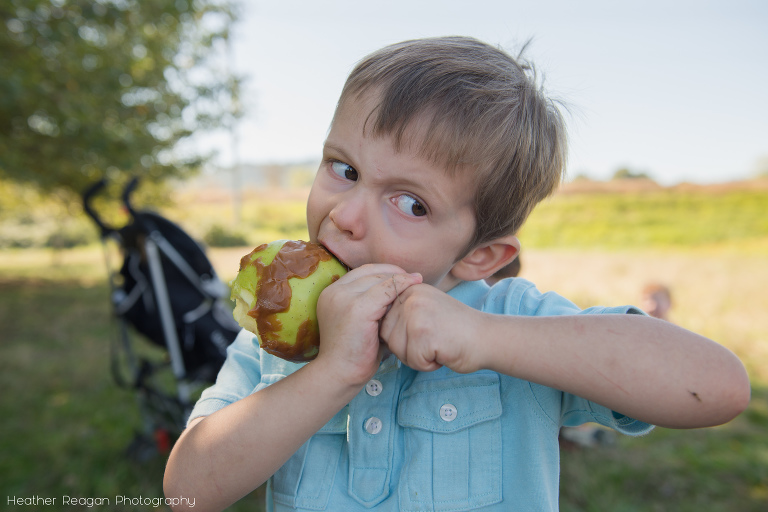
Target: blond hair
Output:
[(484, 112)]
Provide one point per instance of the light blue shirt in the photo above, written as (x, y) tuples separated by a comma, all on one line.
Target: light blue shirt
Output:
[(429, 441)]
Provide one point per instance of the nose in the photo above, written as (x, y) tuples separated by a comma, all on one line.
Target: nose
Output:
[(349, 215)]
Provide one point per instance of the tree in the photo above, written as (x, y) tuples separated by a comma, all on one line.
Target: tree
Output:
[(626, 174), (94, 88)]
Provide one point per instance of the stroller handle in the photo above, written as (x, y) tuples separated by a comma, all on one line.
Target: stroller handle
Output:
[(127, 191), (97, 187), (88, 196)]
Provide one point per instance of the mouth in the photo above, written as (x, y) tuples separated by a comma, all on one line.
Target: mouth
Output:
[(346, 265)]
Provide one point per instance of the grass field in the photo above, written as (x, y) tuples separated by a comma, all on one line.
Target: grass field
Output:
[(66, 424)]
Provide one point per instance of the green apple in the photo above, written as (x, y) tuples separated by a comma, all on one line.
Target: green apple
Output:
[(276, 292)]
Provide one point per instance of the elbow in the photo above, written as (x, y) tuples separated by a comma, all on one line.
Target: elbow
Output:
[(717, 402), (187, 485), (174, 495), (177, 500), (741, 392), (735, 394), (179, 496)]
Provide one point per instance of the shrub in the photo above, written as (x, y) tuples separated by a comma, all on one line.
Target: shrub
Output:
[(220, 236)]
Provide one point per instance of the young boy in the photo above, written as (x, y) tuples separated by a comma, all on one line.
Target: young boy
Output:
[(656, 300), (432, 390)]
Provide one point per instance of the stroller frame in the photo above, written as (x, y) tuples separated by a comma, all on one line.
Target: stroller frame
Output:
[(164, 414)]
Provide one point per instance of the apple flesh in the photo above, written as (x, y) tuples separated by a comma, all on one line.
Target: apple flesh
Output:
[(276, 292)]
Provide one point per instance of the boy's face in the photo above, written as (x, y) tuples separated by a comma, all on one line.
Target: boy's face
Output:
[(372, 204)]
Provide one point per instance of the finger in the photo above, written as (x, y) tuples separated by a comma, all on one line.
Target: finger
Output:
[(421, 358), (408, 345), (366, 299), (378, 290), (393, 331), (369, 270), (387, 326), (392, 328), (393, 285)]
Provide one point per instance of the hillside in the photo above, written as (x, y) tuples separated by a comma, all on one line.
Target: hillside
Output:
[(585, 186), (582, 214)]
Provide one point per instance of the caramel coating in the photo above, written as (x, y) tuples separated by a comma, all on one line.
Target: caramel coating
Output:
[(297, 259)]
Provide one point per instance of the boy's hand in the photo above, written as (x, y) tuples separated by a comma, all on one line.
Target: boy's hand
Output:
[(349, 312), (427, 328)]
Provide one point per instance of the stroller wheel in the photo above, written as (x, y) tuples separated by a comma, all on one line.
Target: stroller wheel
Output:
[(163, 441)]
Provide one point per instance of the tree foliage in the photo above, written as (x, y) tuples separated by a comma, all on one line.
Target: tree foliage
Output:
[(95, 88), (627, 174)]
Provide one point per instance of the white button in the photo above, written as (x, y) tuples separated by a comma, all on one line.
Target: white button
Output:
[(448, 412), (373, 425), (373, 387)]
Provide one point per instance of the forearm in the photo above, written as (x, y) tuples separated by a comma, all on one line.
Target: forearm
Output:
[(228, 454), (641, 367)]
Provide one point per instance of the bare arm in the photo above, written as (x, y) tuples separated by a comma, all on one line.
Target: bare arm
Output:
[(645, 368), (222, 457), (641, 367)]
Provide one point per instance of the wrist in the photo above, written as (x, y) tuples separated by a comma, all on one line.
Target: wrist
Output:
[(345, 379), (495, 347)]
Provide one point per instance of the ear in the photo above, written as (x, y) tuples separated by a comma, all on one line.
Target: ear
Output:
[(484, 260)]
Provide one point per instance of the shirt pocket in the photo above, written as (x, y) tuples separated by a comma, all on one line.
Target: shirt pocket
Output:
[(306, 479), (452, 435)]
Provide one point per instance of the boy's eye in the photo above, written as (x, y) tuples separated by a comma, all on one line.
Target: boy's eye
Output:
[(410, 205), (344, 170)]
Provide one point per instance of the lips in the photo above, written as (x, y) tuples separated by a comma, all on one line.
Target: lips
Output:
[(336, 254)]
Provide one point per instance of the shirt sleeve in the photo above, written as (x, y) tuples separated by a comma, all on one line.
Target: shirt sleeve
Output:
[(576, 411), (598, 413), (239, 376), (521, 297)]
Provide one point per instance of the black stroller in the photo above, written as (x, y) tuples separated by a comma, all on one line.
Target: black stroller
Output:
[(168, 291)]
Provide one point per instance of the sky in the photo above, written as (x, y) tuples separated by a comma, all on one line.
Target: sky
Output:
[(677, 90)]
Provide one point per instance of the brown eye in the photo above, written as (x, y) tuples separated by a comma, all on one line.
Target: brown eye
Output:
[(346, 171), (410, 206)]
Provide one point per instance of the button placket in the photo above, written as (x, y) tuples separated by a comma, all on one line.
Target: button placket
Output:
[(371, 440)]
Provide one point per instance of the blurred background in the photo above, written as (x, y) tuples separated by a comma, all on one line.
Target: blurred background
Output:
[(220, 108)]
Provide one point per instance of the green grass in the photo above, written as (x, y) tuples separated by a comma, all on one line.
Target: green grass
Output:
[(663, 218), (720, 469), (66, 424)]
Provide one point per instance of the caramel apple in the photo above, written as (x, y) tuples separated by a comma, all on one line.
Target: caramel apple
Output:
[(276, 293)]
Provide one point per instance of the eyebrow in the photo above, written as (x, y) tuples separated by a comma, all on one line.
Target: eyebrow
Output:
[(337, 149)]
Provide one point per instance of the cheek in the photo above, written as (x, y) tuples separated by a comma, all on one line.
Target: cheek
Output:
[(314, 212), (320, 197), (432, 268)]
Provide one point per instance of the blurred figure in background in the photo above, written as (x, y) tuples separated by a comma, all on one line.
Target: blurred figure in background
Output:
[(656, 300)]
